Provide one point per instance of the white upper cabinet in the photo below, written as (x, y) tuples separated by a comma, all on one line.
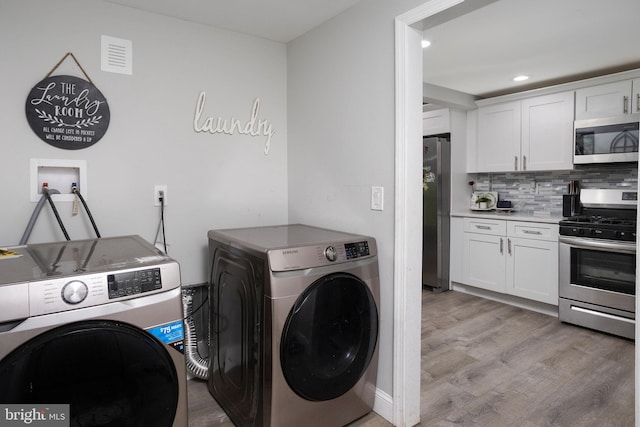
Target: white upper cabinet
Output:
[(605, 100), (524, 132), (547, 132), (435, 122), (498, 141), (534, 134)]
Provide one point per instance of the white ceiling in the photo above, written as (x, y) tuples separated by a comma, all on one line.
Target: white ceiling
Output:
[(477, 53), (278, 20), (551, 40)]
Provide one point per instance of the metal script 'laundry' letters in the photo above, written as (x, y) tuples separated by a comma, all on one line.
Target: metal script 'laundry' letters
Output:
[(252, 127)]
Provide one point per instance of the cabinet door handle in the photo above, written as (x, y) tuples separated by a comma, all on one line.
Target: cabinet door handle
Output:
[(509, 246), (524, 163), (483, 227), (515, 163), (501, 245), (625, 104), (532, 232), (637, 102)]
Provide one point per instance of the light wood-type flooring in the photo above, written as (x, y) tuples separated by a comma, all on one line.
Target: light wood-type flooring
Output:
[(489, 364)]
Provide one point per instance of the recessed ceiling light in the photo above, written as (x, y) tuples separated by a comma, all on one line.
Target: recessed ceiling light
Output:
[(520, 78), (425, 43)]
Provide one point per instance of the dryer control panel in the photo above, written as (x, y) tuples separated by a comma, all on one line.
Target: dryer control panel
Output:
[(320, 255), (356, 250)]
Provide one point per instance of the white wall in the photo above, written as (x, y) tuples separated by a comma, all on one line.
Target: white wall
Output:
[(341, 136), (329, 95), (214, 181)]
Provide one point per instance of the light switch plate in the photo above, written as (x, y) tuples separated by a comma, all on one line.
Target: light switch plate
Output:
[(377, 198)]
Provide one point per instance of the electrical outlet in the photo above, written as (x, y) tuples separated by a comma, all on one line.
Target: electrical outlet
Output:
[(156, 194)]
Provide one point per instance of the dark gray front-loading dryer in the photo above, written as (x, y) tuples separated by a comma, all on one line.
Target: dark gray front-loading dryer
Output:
[(294, 325)]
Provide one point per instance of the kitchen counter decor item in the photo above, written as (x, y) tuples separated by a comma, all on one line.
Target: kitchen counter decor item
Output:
[(66, 111), (571, 200), (484, 200)]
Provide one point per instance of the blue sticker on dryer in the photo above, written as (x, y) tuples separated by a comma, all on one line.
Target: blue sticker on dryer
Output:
[(169, 333)]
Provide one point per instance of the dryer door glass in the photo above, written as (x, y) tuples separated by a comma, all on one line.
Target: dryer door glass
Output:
[(110, 373), (329, 337)]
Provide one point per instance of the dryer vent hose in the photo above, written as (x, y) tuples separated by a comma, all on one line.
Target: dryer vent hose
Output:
[(197, 365)]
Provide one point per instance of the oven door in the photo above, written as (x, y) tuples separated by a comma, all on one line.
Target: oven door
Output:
[(600, 272)]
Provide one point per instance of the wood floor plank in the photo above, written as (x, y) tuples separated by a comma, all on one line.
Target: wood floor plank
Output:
[(489, 364), (521, 368)]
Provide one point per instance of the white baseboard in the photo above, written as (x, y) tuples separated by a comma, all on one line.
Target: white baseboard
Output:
[(550, 310), (383, 405)]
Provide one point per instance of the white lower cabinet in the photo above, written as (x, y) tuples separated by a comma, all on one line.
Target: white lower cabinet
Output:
[(456, 246), (512, 257), (483, 254)]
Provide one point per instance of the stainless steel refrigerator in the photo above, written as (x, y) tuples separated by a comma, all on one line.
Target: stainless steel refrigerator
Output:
[(436, 200)]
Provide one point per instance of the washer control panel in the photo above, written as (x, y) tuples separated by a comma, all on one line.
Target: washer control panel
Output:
[(134, 282), (56, 294)]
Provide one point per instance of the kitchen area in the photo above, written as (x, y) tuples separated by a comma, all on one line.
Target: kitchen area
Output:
[(540, 199), (536, 175), (547, 199)]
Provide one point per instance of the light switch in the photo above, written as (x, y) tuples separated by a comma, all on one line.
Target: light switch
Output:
[(377, 198)]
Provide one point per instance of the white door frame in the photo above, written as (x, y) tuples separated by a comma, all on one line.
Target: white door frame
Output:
[(408, 213)]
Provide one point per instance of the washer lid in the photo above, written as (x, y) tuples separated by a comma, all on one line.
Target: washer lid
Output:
[(75, 257)]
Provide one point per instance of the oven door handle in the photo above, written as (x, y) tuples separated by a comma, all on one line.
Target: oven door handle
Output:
[(601, 314), (595, 244)]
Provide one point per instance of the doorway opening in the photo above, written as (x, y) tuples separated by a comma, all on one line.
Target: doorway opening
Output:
[(408, 202)]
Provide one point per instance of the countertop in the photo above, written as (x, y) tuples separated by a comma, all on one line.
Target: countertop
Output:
[(527, 216)]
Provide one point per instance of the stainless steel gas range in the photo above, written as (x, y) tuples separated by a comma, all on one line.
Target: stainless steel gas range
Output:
[(597, 282)]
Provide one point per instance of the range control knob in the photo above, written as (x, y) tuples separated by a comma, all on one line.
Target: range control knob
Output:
[(331, 253), (74, 292)]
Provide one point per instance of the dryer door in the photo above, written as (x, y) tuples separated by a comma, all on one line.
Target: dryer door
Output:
[(110, 373), (329, 337)]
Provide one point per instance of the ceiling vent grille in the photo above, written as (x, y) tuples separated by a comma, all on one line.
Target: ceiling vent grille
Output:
[(117, 55)]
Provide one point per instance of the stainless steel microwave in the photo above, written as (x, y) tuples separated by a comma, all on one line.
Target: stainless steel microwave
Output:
[(608, 140)]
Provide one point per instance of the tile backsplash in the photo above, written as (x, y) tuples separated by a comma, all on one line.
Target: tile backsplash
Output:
[(541, 192)]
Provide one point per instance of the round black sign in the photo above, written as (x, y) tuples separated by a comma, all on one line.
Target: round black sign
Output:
[(67, 112)]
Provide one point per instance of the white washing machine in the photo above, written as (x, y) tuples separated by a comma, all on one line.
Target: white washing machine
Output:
[(294, 325), (96, 325)]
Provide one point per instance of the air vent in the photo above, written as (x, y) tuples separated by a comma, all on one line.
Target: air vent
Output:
[(117, 56)]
